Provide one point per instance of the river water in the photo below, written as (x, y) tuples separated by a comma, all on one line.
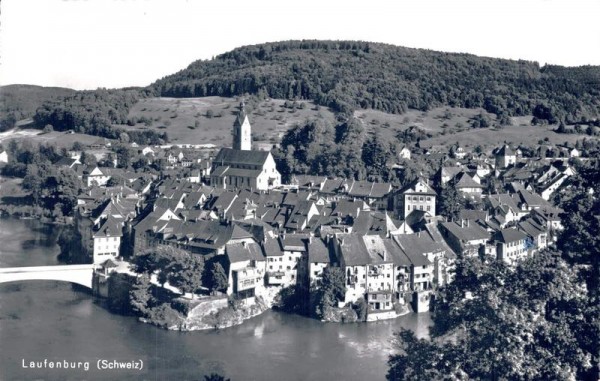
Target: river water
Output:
[(53, 321)]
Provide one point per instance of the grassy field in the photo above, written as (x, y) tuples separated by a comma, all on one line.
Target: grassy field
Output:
[(210, 119), (492, 137), (59, 139), (451, 120)]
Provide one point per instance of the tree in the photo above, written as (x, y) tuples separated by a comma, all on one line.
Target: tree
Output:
[(522, 324), (215, 377), (375, 155), (185, 272), (450, 202), (331, 289), (218, 278), (140, 295)]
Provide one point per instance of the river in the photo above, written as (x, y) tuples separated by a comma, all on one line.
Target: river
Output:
[(52, 320)]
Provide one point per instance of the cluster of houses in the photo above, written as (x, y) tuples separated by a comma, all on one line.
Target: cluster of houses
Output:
[(390, 242)]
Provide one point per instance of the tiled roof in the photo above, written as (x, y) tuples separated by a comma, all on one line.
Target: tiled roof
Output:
[(239, 252), (472, 232), (229, 156), (510, 235), (318, 251)]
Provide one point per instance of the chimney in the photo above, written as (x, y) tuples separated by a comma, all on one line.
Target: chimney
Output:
[(462, 223), (244, 244), (467, 223)]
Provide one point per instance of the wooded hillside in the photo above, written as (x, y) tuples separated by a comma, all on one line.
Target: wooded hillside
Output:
[(347, 75)]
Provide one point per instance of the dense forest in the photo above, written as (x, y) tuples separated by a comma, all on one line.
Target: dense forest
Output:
[(94, 113), (347, 75)]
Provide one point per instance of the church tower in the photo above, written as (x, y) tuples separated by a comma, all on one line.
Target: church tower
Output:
[(242, 131)]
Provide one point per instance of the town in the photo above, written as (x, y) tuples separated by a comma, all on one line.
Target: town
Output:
[(381, 250)]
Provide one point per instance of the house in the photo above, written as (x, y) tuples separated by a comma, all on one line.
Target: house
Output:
[(505, 157), (276, 274), (536, 232), (417, 269), (417, 195), (445, 174), (319, 258), (244, 169), (467, 185), (246, 270), (369, 270), (95, 176), (465, 237), (404, 153), (107, 239), (376, 194), (4, 157), (512, 246)]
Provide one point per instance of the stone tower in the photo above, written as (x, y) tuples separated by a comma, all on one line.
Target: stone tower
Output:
[(242, 131)]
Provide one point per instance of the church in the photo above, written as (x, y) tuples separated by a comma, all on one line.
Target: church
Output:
[(241, 167)]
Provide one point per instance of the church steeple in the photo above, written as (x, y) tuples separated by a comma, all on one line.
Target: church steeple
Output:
[(242, 131)]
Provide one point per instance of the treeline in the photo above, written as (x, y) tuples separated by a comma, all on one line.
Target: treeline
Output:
[(94, 113), (319, 148), (347, 75)]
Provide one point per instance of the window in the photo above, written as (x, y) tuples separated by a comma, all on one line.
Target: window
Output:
[(420, 207), (429, 208), (428, 198), (288, 268), (421, 198), (408, 207)]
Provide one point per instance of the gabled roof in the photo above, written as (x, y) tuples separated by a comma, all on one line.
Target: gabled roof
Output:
[(472, 232), (374, 223), (463, 180), (353, 250), (293, 242), (532, 199), (318, 251), (229, 156), (272, 247), (418, 183), (240, 252), (331, 186), (112, 227), (531, 227), (510, 235)]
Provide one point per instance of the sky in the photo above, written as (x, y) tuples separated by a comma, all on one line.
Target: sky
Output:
[(86, 44)]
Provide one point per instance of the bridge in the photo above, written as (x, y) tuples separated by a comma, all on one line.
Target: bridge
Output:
[(79, 274)]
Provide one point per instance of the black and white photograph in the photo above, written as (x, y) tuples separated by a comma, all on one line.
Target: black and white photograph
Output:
[(286, 191)]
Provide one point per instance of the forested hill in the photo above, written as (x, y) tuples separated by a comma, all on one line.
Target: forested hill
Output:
[(19, 102), (347, 75)]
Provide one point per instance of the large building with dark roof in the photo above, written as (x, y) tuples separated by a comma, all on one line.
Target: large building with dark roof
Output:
[(240, 169)]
